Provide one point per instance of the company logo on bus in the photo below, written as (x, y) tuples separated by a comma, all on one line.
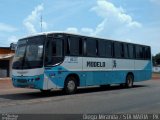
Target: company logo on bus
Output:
[(95, 64)]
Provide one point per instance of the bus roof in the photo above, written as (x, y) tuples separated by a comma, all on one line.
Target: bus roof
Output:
[(70, 33)]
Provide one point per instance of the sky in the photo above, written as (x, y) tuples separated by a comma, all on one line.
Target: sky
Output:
[(136, 21)]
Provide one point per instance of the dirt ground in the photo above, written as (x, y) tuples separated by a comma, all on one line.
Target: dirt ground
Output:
[(155, 76), (5, 83)]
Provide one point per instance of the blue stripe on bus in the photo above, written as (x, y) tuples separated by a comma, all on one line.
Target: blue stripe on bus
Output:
[(58, 75), (97, 77)]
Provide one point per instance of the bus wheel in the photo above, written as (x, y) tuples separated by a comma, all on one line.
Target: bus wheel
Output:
[(129, 81), (70, 86)]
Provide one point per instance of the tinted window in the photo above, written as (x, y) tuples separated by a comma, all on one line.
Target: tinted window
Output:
[(91, 47), (147, 53), (54, 51), (125, 50), (29, 53), (118, 53), (108, 49), (73, 46), (102, 48), (56, 48), (139, 52), (131, 51)]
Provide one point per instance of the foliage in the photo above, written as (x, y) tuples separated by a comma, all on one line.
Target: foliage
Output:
[(156, 59)]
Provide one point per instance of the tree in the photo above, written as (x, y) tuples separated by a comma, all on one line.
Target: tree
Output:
[(156, 59)]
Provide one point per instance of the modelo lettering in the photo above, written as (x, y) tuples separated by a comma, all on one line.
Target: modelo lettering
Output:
[(95, 64)]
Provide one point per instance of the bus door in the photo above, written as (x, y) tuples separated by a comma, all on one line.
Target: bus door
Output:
[(53, 59)]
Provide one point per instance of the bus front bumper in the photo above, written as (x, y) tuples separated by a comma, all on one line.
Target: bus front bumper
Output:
[(35, 82)]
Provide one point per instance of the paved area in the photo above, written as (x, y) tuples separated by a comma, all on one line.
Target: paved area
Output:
[(142, 98), (5, 83)]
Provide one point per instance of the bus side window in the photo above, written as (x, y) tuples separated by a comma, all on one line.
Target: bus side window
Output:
[(101, 48), (91, 47), (131, 51), (80, 46), (139, 52), (118, 50), (109, 49), (57, 48), (147, 53), (125, 50), (54, 51), (48, 53), (73, 46)]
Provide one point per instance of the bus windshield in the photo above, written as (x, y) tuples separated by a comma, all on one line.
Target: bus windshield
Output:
[(29, 53)]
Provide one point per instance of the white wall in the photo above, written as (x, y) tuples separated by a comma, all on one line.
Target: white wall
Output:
[(156, 69)]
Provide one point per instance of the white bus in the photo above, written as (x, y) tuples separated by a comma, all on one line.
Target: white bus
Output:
[(59, 60)]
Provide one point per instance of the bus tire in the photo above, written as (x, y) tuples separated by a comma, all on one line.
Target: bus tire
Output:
[(129, 81), (70, 86)]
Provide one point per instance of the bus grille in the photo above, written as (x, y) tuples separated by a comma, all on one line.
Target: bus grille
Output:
[(22, 81)]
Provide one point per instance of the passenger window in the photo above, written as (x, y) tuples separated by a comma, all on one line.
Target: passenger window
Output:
[(118, 53), (108, 49), (91, 47), (131, 51), (125, 50), (147, 53), (101, 48), (73, 46), (139, 52), (57, 48)]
